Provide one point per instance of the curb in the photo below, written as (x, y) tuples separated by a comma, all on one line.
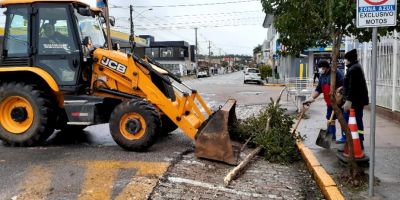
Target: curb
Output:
[(324, 180), (275, 85)]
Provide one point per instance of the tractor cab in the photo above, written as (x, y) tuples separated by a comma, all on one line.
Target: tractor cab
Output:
[(56, 37)]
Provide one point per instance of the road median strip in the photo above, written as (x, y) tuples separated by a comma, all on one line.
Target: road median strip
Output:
[(323, 179)]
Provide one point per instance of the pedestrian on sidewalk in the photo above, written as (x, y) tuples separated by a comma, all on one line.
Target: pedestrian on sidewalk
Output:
[(355, 92), (316, 73), (324, 87)]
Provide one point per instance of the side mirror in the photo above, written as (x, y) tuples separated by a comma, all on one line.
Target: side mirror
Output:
[(116, 46), (112, 20)]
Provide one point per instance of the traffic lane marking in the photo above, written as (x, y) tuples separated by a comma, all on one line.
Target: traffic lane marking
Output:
[(101, 180), (36, 184), (100, 176), (139, 188)]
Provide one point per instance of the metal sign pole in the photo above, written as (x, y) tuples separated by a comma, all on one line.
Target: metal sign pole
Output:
[(373, 111)]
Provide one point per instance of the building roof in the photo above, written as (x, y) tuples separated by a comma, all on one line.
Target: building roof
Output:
[(169, 44), (268, 20), (13, 2)]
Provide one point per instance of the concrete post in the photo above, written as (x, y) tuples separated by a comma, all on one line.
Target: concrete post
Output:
[(394, 70)]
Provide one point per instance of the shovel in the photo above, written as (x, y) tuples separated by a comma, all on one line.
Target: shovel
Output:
[(324, 137)]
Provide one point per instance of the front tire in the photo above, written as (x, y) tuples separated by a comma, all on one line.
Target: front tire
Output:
[(27, 117), (133, 125)]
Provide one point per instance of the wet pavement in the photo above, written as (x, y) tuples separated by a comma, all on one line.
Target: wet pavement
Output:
[(90, 165)]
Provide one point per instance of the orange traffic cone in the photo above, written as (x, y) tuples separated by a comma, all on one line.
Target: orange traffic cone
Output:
[(358, 153)]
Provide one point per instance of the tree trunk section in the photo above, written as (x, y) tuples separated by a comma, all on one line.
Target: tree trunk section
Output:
[(337, 38), (235, 171)]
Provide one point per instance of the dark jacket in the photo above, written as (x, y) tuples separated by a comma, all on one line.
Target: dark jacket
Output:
[(355, 87), (324, 85)]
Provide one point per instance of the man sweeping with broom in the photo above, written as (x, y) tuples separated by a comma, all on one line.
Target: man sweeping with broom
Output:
[(324, 87)]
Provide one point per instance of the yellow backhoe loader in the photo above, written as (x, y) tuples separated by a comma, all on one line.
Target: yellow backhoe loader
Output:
[(60, 70)]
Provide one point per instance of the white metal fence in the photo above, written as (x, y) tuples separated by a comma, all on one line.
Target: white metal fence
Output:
[(299, 89), (388, 71)]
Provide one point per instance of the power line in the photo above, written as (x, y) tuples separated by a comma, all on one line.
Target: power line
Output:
[(203, 22), (187, 5), (201, 26), (179, 36), (223, 14)]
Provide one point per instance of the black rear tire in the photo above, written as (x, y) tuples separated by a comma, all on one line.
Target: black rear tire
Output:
[(43, 115), (144, 114)]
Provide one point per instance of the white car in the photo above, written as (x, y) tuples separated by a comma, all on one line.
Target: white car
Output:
[(202, 74), (252, 75)]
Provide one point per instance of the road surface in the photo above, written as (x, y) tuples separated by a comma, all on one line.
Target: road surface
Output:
[(90, 165)]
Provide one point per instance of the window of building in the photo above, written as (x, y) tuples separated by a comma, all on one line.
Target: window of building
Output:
[(153, 52), (166, 52)]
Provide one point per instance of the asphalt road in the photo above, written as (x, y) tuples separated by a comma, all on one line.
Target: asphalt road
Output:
[(90, 165)]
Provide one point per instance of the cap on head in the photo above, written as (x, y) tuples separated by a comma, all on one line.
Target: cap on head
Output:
[(323, 63), (351, 55)]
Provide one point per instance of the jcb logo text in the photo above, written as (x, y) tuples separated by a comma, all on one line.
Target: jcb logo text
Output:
[(113, 65)]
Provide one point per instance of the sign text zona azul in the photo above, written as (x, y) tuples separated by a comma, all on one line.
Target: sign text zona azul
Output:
[(377, 8)]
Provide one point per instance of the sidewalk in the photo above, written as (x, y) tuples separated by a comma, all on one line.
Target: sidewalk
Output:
[(387, 165)]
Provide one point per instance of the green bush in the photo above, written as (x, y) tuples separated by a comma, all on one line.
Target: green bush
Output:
[(278, 143), (266, 71)]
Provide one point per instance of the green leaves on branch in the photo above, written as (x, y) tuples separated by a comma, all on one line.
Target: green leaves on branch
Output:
[(278, 143), (266, 71)]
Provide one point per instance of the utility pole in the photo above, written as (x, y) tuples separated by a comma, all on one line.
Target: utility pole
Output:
[(132, 36), (196, 49), (209, 55)]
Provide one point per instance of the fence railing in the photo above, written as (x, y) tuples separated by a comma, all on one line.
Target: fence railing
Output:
[(299, 89), (388, 71)]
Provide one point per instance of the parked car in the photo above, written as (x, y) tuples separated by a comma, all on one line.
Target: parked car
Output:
[(202, 73), (252, 75)]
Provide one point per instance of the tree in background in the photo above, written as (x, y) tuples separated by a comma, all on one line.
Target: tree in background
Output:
[(304, 24), (266, 71), (257, 49)]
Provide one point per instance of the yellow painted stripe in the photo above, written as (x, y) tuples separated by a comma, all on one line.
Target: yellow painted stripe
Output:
[(36, 184), (100, 176), (99, 179), (138, 189)]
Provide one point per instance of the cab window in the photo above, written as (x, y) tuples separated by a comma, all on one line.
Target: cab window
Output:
[(16, 37), (55, 32)]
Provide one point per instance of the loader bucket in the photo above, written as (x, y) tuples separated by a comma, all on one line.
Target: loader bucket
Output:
[(213, 141)]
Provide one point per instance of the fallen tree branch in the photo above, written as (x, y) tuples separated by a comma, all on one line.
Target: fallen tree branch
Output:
[(245, 144), (235, 171)]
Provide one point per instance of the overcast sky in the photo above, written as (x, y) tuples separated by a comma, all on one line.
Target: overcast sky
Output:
[(232, 26)]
